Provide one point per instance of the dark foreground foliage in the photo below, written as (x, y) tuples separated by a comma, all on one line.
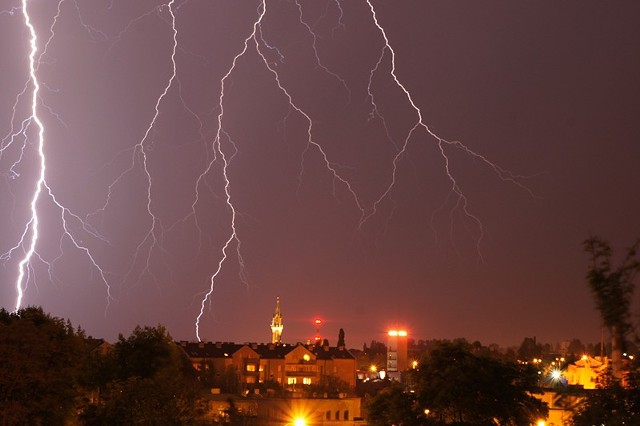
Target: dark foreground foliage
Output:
[(453, 386), (613, 402), (40, 368), (51, 374)]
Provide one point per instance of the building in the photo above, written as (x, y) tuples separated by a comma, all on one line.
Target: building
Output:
[(315, 411), (397, 353), (585, 371), (276, 324), (291, 366), (287, 365), (575, 382)]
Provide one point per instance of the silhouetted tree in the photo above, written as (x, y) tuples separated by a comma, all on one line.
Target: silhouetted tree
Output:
[(529, 349), (458, 386), (576, 347), (613, 290), (392, 406), (331, 385), (611, 403), (149, 381), (40, 359)]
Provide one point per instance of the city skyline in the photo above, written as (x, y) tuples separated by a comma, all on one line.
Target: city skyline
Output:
[(431, 167)]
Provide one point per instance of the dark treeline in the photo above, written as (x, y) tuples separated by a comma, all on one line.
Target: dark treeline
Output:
[(573, 349), (53, 374)]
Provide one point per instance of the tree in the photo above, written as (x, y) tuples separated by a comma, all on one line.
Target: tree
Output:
[(331, 385), (459, 387), (39, 369), (613, 290), (150, 351), (392, 406), (611, 403), (529, 349), (149, 381)]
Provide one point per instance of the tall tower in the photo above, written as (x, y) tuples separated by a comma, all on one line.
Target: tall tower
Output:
[(276, 324), (397, 360)]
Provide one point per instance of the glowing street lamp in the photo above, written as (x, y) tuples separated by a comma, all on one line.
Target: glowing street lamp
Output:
[(556, 374)]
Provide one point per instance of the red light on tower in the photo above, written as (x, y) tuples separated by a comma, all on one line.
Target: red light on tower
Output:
[(318, 323)]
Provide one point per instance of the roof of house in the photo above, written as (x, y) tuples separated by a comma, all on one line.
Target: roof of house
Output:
[(264, 350)]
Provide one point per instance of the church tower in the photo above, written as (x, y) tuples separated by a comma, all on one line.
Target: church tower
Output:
[(276, 324)]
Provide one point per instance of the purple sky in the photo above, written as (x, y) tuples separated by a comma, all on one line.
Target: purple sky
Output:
[(536, 102)]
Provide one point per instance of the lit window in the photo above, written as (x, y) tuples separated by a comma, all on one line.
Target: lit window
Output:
[(292, 380), (251, 367), (306, 380)]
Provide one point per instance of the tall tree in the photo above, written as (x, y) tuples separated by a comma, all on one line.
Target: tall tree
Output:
[(40, 359), (612, 289), (459, 387), (149, 381)]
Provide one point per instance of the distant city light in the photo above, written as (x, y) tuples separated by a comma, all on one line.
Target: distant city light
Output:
[(556, 374)]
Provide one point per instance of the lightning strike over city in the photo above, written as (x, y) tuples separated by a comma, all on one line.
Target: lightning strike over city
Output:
[(185, 162)]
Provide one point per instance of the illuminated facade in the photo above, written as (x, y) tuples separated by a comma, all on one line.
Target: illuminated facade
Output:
[(276, 324), (288, 365), (585, 371), (397, 352)]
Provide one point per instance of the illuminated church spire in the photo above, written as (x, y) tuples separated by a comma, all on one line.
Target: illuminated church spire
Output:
[(276, 324)]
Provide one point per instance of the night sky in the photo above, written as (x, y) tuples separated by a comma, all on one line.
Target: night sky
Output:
[(344, 203)]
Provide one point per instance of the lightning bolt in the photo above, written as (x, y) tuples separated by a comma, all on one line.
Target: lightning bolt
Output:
[(153, 237), (455, 192), (28, 240), (221, 150)]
